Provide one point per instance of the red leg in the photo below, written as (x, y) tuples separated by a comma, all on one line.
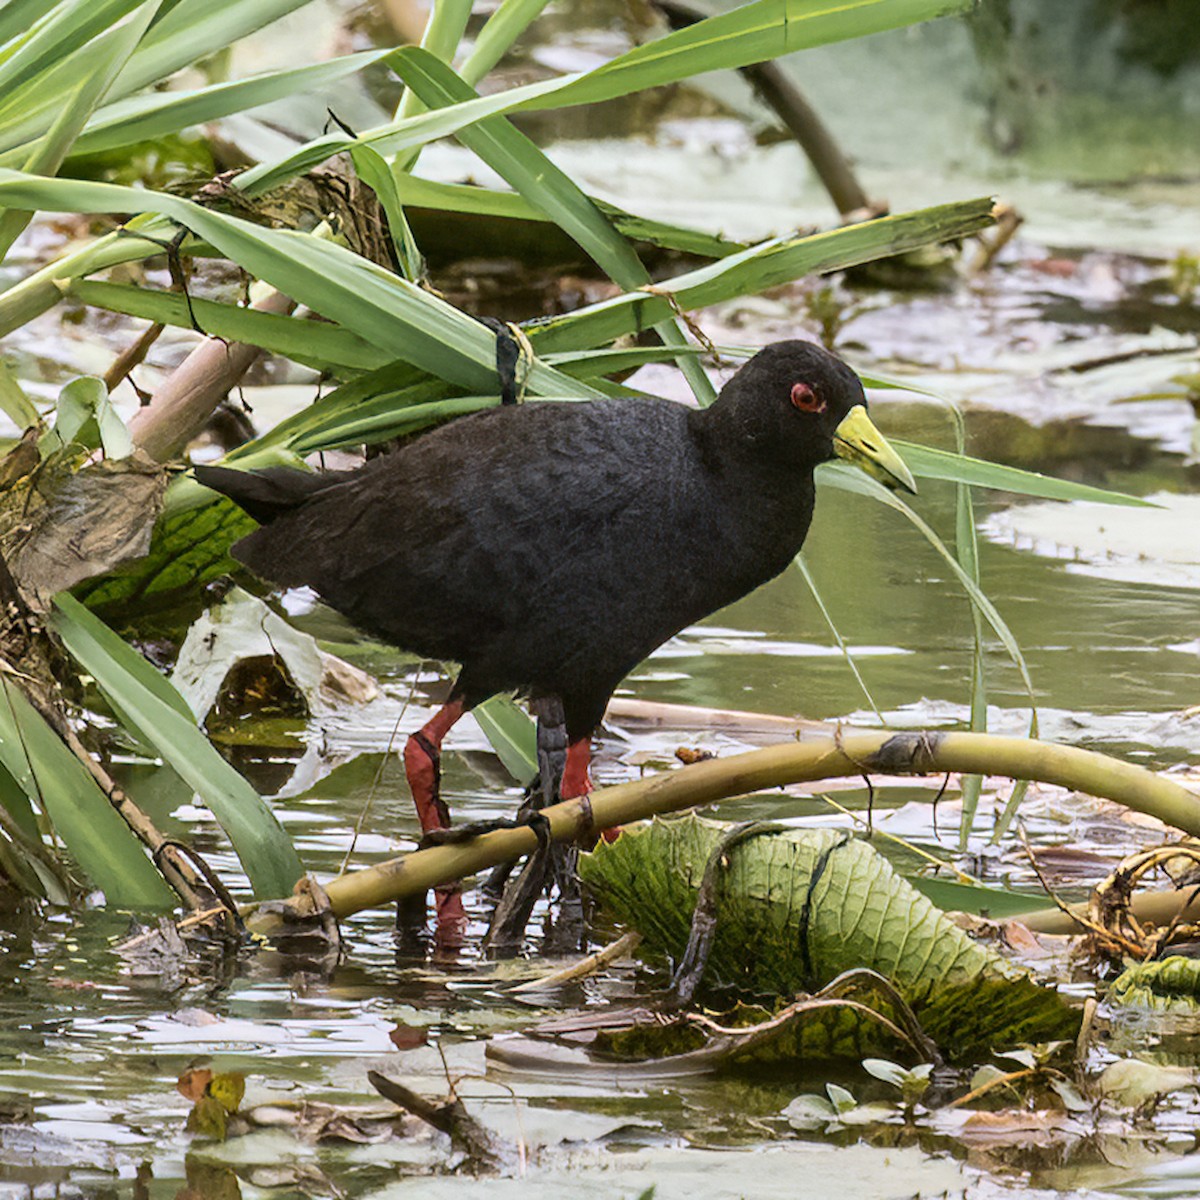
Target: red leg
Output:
[(422, 766), (577, 782), (575, 779)]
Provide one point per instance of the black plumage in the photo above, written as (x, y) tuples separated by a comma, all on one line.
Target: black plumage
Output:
[(549, 548)]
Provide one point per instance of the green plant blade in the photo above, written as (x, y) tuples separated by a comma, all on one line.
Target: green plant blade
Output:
[(504, 26), (13, 402), (47, 156), (64, 31), (18, 18), (927, 463), (512, 735), (192, 29), (373, 170), (107, 852), (994, 903), (750, 33), (314, 343), (758, 268), (484, 202), (145, 117), (156, 716)]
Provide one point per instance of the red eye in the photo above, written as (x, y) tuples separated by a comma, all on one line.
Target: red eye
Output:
[(805, 399)]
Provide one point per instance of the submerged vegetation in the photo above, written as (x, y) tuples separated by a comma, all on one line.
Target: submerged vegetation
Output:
[(328, 257)]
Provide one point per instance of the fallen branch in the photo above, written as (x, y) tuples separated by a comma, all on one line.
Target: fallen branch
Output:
[(719, 779), (449, 1117)]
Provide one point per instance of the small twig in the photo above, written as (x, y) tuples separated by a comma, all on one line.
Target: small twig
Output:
[(1008, 221), (625, 944), (994, 1082), (131, 356)]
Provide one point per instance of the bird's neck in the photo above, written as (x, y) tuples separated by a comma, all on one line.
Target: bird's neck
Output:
[(729, 451)]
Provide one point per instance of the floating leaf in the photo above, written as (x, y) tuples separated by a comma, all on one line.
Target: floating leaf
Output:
[(798, 907)]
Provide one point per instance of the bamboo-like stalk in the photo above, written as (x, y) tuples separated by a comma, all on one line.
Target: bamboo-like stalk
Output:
[(798, 762), (1154, 908)]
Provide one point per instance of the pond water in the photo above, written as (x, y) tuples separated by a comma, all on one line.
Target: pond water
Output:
[(1066, 358)]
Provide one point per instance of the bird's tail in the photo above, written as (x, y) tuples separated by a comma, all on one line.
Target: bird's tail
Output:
[(269, 493)]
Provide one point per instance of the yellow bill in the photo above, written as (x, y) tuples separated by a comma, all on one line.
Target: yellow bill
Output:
[(858, 441)]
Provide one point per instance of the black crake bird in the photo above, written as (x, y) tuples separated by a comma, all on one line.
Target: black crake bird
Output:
[(550, 547)]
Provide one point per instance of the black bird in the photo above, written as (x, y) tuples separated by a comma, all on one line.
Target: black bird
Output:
[(550, 547)]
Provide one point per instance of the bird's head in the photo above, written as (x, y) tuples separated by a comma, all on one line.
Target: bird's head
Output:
[(800, 405)]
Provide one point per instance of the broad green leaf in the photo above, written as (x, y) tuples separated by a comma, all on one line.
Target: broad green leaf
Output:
[(512, 735), (48, 155), (13, 402), (17, 804), (18, 18), (927, 463), (86, 417), (373, 170), (383, 420), (443, 32), (75, 415), (749, 33), (509, 21), (193, 29), (394, 386), (795, 908), (186, 32), (595, 364), (71, 25), (25, 861), (107, 852), (994, 903), (153, 710), (147, 116)]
